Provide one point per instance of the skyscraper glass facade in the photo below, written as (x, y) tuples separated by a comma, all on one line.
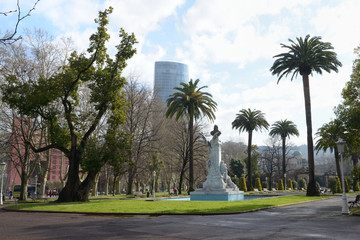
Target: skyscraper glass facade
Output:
[(167, 76)]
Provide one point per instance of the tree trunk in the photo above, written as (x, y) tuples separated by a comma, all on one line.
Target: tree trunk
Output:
[(191, 153), (337, 162), (283, 157), (70, 193), (250, 187), (24, 184), (131, 177), (95, 186), (44, 173), (86, 186), (311, 189)]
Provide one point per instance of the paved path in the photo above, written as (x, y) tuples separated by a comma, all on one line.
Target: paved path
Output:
[(315, 220)]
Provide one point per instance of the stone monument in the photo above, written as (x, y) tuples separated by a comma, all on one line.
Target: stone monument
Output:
[(218, 185)]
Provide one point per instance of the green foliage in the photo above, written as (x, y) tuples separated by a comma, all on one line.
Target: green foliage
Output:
[(258, 184), (189, 100), (249, 120), (347, 188), (237, 167), (284, 128), (348, 112), (280, 185), (295, 184), (338, 185), (290, 184), (264, 184), (332, 184), (305, 56), (155, 164), (242, 186), (140, 206), (61, 101), (302, 184), (318, 186)]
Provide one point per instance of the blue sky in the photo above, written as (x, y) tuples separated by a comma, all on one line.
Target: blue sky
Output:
[(228, 45)]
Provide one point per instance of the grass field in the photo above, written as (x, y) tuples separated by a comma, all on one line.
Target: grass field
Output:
[(142, 206)]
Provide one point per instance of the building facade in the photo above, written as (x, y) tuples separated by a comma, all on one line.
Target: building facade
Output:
[(167, 76), (21, 156)]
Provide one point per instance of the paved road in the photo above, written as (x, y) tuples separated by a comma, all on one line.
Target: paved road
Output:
[(315, 220)]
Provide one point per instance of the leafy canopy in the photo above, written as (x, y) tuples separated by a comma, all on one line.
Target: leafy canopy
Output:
[(304, 56), (284, 128), (249, 120), (81, 94), (190, 101)]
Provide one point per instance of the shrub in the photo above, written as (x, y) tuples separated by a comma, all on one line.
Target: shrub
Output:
[(317, 186), (258, 184), (242, 186), (289, 184), (347, 188), (338, 185), (280, 185), (264, 184), (302, 184), (295, 184), (332, 184)]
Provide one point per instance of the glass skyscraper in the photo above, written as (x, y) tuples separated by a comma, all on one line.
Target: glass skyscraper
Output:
[(167, 76)]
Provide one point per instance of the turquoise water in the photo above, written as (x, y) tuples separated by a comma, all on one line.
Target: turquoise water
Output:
[(246, 197)]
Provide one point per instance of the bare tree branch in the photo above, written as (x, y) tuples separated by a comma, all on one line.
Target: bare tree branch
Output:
[(10, 37)]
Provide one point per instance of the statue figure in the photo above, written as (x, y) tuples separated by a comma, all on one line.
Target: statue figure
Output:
[(218, 185), (213, 163), (218, 177)]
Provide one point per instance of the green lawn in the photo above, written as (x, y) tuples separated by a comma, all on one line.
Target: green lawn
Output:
[(142, 206)]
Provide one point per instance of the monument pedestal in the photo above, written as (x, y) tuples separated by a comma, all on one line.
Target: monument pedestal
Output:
[(217, 195)]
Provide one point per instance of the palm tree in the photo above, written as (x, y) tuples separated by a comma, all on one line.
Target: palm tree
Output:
[(285, 129), (328, 134), (190, 101), (249, 120), (305, 56)]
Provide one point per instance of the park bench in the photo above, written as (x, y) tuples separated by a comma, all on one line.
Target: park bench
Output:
[(356, 202)]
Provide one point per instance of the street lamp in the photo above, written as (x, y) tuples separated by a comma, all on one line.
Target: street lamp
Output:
[(341, 149), (2, 169), (154, 175), (285, 181)]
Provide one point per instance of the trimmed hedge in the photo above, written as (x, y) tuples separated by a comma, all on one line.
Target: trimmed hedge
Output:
[(242, 186), (258, 184), (280, 185)]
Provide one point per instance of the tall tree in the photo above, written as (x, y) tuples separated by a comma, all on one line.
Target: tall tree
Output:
[(284, 129), (328, 135), (303, 57), (141, 127), (189, 100), (56, 99), (348, 112), (249, 120), (270, 159)]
